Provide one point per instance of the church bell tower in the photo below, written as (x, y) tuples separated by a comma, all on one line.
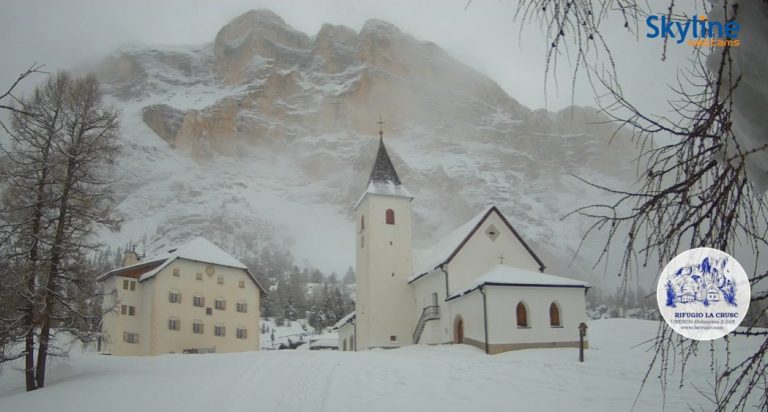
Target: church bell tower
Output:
[(384, 306)]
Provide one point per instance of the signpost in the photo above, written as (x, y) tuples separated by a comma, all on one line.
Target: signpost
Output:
[(582, 334)]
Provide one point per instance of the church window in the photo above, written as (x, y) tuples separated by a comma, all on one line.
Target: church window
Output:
[(492, 232), (522, 315), (554, 315), (390, 215)]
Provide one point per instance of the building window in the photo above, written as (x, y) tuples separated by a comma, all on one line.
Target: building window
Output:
[(130, 337), (522, 316), (197, 327), (133, 285), (393, 338), (176, 272), (220, 304), (131, 310), (241, 284), (199, 276), (198, 301), (554, 316), (124, 310), (242, 333), (174, 324), (220, 280), (210, 270), (242, 307), (174, 297), (362, 223), (125, 284), (390, 215), (219, 330), (344, 345), (208, 311), (129, 284)]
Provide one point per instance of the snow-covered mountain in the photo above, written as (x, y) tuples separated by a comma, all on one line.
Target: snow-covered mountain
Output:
[(268, 134)]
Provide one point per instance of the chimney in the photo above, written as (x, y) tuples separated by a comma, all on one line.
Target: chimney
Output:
[(130, 257)]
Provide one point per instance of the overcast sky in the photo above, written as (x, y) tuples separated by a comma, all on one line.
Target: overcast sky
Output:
[(71, 33)]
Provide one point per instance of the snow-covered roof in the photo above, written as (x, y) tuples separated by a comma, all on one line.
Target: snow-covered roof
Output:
[(198, 249), (350, 317), (503, 275), (384, 179), (442, 252)]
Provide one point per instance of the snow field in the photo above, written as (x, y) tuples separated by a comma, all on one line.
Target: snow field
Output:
[(414, 378)]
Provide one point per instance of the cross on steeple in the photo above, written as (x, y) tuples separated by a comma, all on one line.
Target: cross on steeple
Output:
[(381, 130), (501, 258)]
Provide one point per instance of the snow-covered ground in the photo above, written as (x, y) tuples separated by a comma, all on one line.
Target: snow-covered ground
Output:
[(416, 378)]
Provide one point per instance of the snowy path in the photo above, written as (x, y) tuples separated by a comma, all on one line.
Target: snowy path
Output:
[(419, 378)]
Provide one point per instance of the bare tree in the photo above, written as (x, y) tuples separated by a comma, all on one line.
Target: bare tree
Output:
[(694, 182), (8, 100), (63, 146)]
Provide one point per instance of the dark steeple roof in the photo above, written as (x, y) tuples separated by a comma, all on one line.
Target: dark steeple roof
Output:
[(383, 170), (384, 179)]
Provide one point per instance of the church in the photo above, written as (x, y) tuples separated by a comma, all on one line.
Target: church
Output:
[(481, 285)]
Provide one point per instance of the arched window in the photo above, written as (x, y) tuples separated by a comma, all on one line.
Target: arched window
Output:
[(522, 316), (554, 315), (362, 222), (390, 217)]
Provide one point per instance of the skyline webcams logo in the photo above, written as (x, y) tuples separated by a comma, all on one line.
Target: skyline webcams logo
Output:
[(696, 32), (703, 294)]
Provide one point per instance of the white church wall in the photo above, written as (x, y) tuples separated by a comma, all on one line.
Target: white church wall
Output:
[(435, 331), (386, 307), (502, 319), (480, 254), (346, 333), (470, 309)]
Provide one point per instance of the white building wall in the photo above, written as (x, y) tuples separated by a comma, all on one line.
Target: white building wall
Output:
[(470, 308), (435, 331), (480, 254), (167, 341), (153, 311), (385, 305), (502, 318), (115, 323), (346, 334)]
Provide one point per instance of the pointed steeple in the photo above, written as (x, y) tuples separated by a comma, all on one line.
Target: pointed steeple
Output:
[(384, 179), (383, 170)]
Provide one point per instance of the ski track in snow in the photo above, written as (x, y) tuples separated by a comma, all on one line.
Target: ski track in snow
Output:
[(416, 378)]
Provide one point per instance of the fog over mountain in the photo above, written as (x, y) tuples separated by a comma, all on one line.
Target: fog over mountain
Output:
[(267, 135)]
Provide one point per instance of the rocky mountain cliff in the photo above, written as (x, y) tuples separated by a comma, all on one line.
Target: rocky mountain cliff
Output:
[(267, 135)]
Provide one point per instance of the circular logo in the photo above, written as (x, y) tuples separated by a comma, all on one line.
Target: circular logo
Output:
[(703, 294)]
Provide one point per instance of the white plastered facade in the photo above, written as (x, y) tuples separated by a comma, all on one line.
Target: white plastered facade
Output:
[(153, 311)]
